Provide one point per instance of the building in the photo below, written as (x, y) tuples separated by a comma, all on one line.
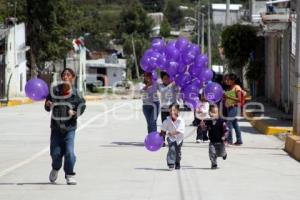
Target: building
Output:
[(219, 14), (105, 72), (157, 18), (12, 61), (278, 27)]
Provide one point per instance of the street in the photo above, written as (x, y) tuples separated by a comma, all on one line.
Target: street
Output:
[(112, 163)]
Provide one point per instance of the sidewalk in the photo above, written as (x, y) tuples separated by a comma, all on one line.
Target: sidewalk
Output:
[(24, 100), (273, 120)]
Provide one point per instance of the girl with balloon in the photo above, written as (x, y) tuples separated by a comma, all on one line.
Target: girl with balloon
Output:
[(66, 106), (174, 128)]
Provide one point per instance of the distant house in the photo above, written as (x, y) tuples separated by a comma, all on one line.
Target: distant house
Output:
[(219, 13), (12, 61), (105, 72), (157, 18)]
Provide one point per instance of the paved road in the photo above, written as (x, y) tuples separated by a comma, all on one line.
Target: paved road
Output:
[(113, 164)]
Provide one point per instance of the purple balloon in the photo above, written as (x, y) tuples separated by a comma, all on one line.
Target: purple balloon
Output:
[(171, 52), (153, 141), (195, 70), (191, 90), (201, 60), (192, 103), (158, 44), (206, 75), (36, 89), (181, 43), (194, 48), (188, 57), (172, 68), (183, 79), (145, 64), (181, 68), (213, 92), (161, 62)]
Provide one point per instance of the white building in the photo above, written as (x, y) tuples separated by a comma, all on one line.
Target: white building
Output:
[(13, 57), (105, 72), (219, 13)]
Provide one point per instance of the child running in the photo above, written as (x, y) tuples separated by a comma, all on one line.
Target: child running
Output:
[(173, 127), (217, 131)]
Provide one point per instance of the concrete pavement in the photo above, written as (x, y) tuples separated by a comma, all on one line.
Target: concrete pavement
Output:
[(112, 163)]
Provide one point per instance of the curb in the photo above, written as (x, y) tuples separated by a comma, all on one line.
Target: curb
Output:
[(265, 128)]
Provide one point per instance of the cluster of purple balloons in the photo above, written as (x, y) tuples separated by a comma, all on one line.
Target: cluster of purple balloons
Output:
[(153, 141), (186, 65), (36, 89)]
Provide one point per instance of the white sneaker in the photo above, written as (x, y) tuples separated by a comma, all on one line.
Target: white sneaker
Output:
[(53, 175), (71, 180), (198, 141)]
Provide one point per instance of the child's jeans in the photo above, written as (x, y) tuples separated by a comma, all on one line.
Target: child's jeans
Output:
[(62, 145), (216, 150), (174, 153)]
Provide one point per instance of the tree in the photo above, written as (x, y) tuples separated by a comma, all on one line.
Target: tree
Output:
[(134, 20), (48, 30), (172, 12), (165, 28), (238, 42)]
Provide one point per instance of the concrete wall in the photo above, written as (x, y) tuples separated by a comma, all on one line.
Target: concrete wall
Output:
[(219, 17), (16, 60)]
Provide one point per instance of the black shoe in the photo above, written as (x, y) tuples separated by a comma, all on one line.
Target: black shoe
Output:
[(164, 144), (238, 143), (225, 157), (177, 166), (214, 166)]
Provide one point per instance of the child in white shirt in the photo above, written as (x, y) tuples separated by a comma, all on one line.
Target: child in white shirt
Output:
[(174, 127)]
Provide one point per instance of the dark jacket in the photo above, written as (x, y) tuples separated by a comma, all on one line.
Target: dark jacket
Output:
[(216, 130), (60, 119)]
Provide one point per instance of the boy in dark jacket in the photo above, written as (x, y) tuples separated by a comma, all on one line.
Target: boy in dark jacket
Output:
[(66, 105), (217, 131)]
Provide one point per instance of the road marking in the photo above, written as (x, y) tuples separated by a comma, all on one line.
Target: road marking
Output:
[(45, 150)]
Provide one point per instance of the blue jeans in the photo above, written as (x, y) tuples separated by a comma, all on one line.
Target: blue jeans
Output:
[(62, 145), (151, 112), (233, 124)]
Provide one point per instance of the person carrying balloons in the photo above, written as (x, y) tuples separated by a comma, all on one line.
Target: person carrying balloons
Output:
[(173, 127), (217, 131), (168, 94), (151, 103), (233, 98), (66, 106)]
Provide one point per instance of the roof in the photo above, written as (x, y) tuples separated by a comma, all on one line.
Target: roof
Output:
[(101, 63), (222, 6), (277, 1)]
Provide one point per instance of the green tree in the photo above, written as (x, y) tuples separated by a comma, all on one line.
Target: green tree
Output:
[(238, 42), (134, 20), (172, 13), (48, 30), (165, 28)]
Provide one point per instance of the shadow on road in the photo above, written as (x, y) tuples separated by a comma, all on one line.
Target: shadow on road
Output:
[(38, 183), (124, 144)]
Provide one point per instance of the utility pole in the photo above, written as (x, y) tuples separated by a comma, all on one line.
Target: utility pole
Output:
[(227, 18), (296, 101), (202, 33), (198, 21), (135, 59), (209, 35)]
